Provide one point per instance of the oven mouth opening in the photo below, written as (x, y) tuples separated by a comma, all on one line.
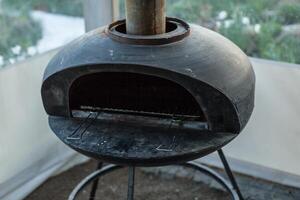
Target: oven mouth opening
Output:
[(130, 95)]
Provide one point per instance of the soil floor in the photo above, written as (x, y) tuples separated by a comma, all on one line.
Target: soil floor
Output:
[(150, 185)]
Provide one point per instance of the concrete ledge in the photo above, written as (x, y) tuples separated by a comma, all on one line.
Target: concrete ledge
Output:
[(254, 170)]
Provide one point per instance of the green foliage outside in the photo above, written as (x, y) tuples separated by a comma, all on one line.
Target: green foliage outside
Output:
[(66, 7), (289, 13), (19, 31), (259, 27)]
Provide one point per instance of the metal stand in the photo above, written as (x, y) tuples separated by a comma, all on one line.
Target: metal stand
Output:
[(95, 184), (231, 187), (131, 174), (230, 174)]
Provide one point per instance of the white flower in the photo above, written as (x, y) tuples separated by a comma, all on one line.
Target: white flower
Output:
[(228, 23), (31, 51), (218, 24), (222, 15), (12, 61), (16, 49), (257, 28), (1, 60), (246, 20)]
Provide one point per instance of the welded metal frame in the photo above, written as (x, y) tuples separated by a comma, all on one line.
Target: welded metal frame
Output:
[(231, 187)]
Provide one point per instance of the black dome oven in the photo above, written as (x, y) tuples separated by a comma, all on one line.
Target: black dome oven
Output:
[(149, 99)]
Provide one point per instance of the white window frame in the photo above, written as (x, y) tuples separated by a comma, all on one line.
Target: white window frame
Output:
[(98, 13)]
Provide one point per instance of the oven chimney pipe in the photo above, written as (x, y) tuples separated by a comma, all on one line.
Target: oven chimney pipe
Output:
[(145, 17)]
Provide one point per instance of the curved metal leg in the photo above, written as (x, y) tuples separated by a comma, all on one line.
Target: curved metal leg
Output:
[(95, 184), (107, 169), (213, 174), (90, 178), (230, 174)]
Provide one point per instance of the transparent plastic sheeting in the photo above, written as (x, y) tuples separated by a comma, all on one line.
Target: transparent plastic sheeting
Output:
[(30, 153)]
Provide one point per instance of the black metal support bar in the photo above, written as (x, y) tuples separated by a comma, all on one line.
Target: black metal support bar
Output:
[(95, 183), (230, 174), (231, 188), (213, 174), (131, 175), (90, 178)]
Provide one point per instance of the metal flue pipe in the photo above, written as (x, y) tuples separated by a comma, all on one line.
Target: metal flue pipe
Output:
[(145, 17)]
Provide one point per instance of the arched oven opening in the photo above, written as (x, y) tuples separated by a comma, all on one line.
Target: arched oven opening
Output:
[(134, 95)]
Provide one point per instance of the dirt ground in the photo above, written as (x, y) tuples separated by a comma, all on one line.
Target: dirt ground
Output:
[(114, 187), (159, 184)]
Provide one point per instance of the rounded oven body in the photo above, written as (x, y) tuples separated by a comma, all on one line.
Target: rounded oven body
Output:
[(149, 100)]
